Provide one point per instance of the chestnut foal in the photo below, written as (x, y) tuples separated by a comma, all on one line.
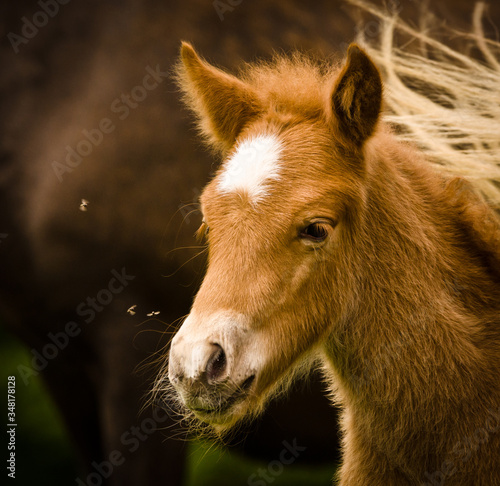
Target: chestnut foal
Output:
[(331, 240)]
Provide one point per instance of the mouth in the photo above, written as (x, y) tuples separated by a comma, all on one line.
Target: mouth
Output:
[(211, 414)]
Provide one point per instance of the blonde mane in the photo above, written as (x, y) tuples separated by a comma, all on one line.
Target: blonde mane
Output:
[(442, 100)]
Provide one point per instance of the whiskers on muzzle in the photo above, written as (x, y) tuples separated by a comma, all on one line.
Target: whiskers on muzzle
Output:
[(205, 412)]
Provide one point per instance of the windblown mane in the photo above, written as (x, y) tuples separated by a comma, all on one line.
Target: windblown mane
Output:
[(443, 100)]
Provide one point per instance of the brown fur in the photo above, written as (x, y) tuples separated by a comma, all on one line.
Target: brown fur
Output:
[(402, 300)]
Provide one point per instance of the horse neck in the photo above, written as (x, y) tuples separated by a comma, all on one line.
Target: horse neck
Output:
[(419, 284)]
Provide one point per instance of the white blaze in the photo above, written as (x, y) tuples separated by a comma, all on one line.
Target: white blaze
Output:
[(255, 161)]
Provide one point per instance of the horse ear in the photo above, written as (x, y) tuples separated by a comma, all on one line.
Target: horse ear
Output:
[(223, 103), (357, 97)]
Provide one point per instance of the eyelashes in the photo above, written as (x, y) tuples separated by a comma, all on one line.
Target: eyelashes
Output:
[(202, 232)]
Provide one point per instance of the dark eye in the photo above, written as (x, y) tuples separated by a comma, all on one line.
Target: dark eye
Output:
[(315, 232)]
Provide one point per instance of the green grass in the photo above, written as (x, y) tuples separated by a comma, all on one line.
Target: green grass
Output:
[(45, 456), (211, 466)]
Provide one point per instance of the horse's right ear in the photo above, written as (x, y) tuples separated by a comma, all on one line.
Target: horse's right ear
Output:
[(222, 102)]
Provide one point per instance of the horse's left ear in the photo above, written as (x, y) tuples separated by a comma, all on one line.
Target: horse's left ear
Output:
[(223, 103), (357, 97)]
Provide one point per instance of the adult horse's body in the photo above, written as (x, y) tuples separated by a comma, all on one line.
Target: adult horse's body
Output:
[(329, 239)]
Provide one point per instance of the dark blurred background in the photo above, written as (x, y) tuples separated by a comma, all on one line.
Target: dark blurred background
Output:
[(89, 112)]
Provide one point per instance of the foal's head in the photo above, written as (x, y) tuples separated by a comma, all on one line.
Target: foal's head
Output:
[(279, 218)]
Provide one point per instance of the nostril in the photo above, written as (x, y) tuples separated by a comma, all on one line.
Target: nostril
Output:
[(216, 364)]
